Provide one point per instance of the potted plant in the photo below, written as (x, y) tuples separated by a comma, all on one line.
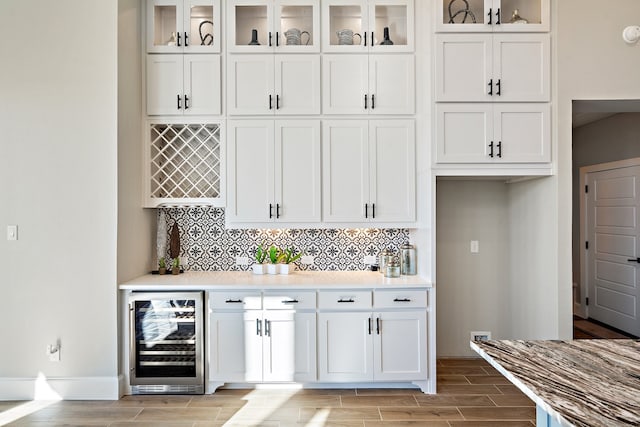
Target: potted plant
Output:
[(288, 257), (261, 255), (274, 259), (175, 269), (162, 266)]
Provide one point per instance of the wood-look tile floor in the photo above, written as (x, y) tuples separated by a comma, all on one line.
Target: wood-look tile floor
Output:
[(470, 394)]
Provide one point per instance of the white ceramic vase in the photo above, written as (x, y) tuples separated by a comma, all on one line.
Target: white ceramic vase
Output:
[(258, 268), (285, 268), (272, 268)]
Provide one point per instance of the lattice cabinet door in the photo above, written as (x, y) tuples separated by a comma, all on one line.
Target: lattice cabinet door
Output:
[(184, 164)]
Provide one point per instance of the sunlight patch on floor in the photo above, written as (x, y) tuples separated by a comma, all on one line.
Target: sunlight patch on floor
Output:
[(43, 396)]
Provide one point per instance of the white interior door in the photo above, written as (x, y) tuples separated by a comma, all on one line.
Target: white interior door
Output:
[(613, 254)]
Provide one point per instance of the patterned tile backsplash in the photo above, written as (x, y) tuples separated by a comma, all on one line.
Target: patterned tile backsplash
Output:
[(209, 246)]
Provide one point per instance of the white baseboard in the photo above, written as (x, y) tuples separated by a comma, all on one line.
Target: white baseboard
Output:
[(41, 388)]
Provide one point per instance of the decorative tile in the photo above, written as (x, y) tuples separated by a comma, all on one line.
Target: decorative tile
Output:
[(209, 246)]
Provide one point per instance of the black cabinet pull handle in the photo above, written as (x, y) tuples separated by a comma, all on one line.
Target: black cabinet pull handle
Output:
[(491, 150), (270, 102), (366, 210), (346, 300), (258, 327), (401, 300), (277, 38), (634, 260), (186, 39), (372, 38), (290, 301), (365, 101), (490, 93), (267, 328), (277, 102), (498, 16), (373, 210), (490, 14), (186, 102), (233, 301), (277, 210), (365, 38), (378, 325), (500, 149), (373, 101), (179, 105), (499, 86), (270, 39), (178, 36), (369, 325), (270, 211)]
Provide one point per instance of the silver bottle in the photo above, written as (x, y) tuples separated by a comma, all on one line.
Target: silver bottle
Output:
[(386, 256), (408, 259)]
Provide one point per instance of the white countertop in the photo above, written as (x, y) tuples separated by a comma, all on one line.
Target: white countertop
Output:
[(212, 280)]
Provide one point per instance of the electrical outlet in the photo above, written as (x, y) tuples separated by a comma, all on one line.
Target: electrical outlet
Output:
[(242, 260), (53, 351), (474, 246), (307, 259), (480, 335), (12, 232), (370, 260)]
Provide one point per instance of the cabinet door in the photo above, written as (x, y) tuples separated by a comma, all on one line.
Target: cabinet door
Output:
[(302, 15), (164, 85), (400, 346), (297, 84), (341, 15), (346, 84), (297, 170), (392, 84), (202, 84), (164, 19), (254, 334), (464, 132), (345, 347), (522, 133), (345, 177), (250, 169), (492, 15), (521, 67), (397, 17), (251, 85), (392, 170), (245, 16), (536, 13), (227, 346), (289, 346), (463, 67), (201, 24)]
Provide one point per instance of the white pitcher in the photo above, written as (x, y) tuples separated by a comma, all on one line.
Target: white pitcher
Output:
[(345, 37), (294, 36)]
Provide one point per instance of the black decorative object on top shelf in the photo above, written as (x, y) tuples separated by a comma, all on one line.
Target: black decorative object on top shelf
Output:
[(466, 11), (386, 40), (254, 38), (207, 38)]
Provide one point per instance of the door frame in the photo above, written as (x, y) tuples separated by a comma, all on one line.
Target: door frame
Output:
[(581, 308)]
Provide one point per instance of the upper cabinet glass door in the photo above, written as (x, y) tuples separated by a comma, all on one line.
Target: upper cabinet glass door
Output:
[(188, 26), (493, 15), (284, 25), (363, 26)]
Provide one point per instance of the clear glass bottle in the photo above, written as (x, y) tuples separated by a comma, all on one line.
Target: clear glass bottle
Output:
[(386, 256), (408, 259), (392, 269)]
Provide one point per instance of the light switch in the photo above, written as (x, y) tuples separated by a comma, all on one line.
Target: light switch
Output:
[(12, 232), (474, 246)]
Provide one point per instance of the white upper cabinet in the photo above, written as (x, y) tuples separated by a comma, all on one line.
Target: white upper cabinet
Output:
[(273, 25), (493, 133), (368, 171), (274, 171), (493, 68), (274, 84), (183, 26), (368, 26), (492, 15), (369, 84), (183, 84)]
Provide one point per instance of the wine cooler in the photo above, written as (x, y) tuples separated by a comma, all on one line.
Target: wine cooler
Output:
[(166, 343)]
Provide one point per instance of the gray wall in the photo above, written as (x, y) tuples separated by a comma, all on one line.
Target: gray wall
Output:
[(58, 168), (614, 138)]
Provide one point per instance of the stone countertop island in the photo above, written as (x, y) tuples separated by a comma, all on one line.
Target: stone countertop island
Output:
[(573, 383)]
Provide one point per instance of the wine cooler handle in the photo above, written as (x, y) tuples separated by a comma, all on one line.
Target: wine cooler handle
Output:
[(132, 339)]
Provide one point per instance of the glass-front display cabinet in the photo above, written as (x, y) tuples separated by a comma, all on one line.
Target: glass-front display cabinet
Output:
[(492, 15), (189, 26), (368, 26), (274, 26)]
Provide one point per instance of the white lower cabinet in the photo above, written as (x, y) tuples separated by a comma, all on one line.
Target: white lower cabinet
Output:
[(262, 345)]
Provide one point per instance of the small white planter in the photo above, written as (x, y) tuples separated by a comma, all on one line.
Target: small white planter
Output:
[(258, 268), (287, 268), (272, 268)]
